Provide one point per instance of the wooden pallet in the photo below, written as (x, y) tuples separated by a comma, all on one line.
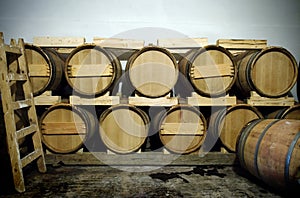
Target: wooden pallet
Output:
[(166, 101), (122, 48), (237, 46), (16, 94), (46, 99), (180, 46), (61, 44), (198, 100), (257, 100), (101, 100)]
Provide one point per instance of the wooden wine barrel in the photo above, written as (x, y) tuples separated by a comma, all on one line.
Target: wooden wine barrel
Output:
[(210, 70), (91, 70), (227, 123), (182, 129), (65, 128), (123, 128), (271, 72), (152, 71), (270, 150), (292, 112), (45, 68)]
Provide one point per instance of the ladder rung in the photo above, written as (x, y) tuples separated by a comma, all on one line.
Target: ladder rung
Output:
[(26, 131), (17, 77), (31, 157), (13, 49), (21, 104)]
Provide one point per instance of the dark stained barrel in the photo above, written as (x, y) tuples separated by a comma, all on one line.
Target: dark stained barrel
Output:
[(292, 112), (270, 150)]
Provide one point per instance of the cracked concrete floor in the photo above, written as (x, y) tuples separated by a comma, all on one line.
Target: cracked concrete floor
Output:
[(169, 181)]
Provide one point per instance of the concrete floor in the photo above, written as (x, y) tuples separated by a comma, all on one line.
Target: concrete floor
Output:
[(85, 178)]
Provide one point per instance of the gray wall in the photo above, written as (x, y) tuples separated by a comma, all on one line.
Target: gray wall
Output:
[(278, 21)]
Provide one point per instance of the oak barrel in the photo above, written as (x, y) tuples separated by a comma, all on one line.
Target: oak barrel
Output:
[(65, 128), (227, 123), (123, 128), (182, 129), (270, 150), (152, 71), (210, 70), (292, 112), (271, 72), (92, 70), (45, 68)]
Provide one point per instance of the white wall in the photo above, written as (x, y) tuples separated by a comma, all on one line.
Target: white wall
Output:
[(278, 21)]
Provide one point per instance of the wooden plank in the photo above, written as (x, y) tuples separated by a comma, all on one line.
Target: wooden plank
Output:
[(242, 43), (119, 43), (26, 131), (16, 76), (21, 104), (58, 41), (180, 46), (211, 71), (162, 101), (142, 159), (177, 43), (182, 129), (101, 100), (31, 157), (63, 128), (46, 100), (90, 70), (198, 100)]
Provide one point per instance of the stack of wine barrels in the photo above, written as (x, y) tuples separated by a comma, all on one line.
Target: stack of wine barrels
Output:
[(153, 72)]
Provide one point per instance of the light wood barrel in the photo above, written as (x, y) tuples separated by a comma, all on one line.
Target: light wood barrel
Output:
[(65, 128), (123, 128), (92, 70), (182, 129), (210, 70), (227, 123), (270, 150), (45, 68), (292, 112), (152, 72), (271, 72)]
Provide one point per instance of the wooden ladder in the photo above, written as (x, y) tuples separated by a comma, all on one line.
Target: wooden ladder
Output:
[(16, 95)]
